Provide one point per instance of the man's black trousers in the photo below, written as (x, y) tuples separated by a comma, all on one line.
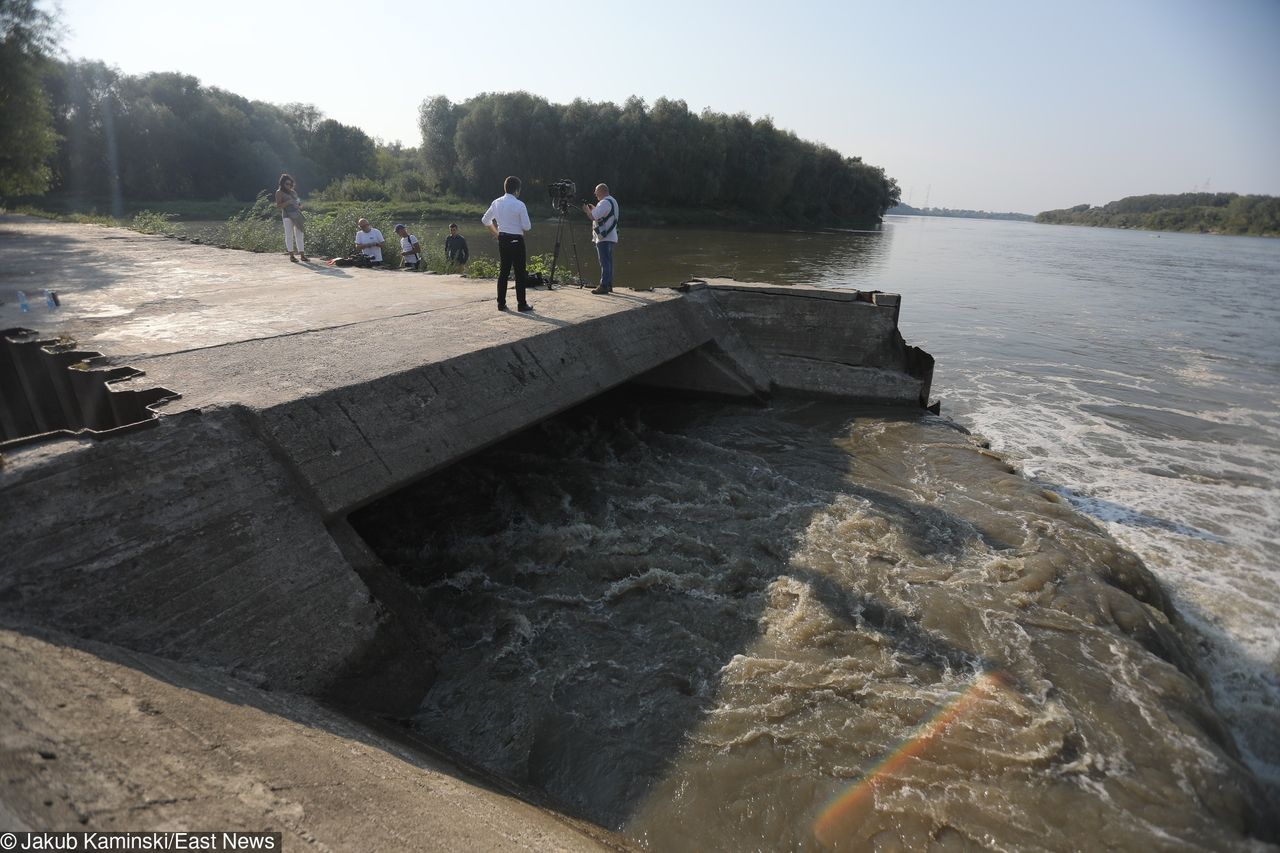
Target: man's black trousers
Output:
[(511, 255)]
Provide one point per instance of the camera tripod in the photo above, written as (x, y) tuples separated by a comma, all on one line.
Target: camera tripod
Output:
[(563, 210)]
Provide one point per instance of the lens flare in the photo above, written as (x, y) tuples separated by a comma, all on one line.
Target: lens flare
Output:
[(849, 809)]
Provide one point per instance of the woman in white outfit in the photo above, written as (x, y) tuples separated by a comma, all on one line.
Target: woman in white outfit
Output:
[(291, 212)]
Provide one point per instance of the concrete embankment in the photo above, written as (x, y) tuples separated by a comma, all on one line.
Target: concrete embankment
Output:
[(215, 537)]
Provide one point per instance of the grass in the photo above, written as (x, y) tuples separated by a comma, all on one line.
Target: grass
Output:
[(81, 218), (406, 211), (55, 205)]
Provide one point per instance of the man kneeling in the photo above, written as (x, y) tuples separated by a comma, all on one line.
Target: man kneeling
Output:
[(369, 241)]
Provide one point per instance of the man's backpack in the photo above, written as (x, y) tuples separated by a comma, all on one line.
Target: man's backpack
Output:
[(357, 259)]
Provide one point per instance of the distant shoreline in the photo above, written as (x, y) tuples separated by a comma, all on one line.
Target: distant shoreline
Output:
[(1209, 232), (1187, 213), (908, 210)]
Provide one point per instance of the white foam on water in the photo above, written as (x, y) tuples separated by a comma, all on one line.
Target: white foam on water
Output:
[(1204, 515)]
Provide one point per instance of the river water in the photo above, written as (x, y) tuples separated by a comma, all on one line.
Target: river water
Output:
[(815, 627)]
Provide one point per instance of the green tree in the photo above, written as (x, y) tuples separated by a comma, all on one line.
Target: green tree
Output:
[(508, 134), (165, 136), (337, 149), (82, 94), (27, 136), (665, 155), (438, 121)]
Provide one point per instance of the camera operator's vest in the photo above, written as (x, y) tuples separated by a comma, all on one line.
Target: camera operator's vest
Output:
[(608, 223)]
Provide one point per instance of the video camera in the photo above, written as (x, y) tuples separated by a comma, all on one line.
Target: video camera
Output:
[(562, 193)]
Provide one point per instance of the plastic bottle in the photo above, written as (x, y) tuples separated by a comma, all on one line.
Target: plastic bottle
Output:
[(22, 302), (51, 300)]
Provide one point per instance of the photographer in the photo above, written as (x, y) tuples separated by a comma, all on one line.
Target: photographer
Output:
[(410, 249), (604, 233), (507, 219)]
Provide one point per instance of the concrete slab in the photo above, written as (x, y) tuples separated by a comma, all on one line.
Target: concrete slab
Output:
[(133, 295)]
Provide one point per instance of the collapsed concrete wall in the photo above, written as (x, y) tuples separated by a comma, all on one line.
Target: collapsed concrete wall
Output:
[(834, 343), (48, 385), (802, 340)]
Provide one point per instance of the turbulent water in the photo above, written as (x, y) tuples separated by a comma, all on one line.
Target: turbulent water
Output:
[(1139, 376), (805, 626)]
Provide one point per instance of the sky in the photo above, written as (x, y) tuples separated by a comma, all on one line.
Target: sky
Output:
[(1002, 106)]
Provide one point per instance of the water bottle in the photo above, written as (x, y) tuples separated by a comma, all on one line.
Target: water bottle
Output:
[(22, 302), (51, 300)]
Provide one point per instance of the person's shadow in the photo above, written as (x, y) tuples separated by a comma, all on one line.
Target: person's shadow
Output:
[(324, 269)]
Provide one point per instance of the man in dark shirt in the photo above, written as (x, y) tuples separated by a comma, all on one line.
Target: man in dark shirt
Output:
[(455, 247)]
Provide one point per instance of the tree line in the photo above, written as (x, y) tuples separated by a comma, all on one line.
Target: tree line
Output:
[(165, 136), (1219, 213), (83, 130), (663, 155)]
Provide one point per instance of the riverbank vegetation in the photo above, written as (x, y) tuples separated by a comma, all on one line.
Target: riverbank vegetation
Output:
[(330, 233), (86, 138), (1206, 213)]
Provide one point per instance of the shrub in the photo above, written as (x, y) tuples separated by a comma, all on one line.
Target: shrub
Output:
[(540, 264), (354, 188), (150, 222), (330, 234), (257, 228), (482, 268)]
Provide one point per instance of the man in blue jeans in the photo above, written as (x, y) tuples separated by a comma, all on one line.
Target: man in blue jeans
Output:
[(604, 233)]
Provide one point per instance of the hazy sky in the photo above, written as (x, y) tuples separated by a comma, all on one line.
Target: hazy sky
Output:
[(1021, 106)]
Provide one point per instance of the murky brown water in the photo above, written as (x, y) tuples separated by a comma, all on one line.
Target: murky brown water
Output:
[(806, 627)]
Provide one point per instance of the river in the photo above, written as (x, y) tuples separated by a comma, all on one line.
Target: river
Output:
[(709, 625)]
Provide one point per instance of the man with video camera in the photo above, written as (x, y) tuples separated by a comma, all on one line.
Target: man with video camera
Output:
[(604, 233)]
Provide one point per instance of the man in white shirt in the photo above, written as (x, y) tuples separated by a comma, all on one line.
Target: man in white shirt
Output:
[(410, 249), (369, 240), (507, 219), (604, 233)]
